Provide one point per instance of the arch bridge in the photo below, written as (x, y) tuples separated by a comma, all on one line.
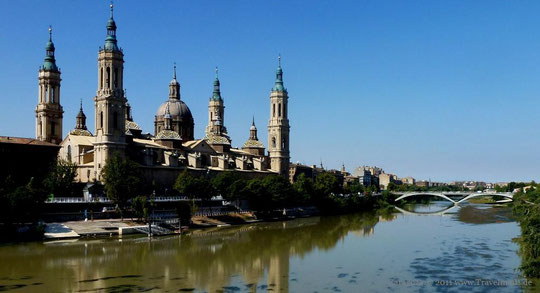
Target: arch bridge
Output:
[(464, 195)]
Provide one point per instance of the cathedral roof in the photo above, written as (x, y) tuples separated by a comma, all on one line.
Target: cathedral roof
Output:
[(80, 132), (177, 109), (168, 134), (216, 139), (251, 143)]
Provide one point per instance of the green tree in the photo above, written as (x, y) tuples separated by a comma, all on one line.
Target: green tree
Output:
[(223, 183), (183, 210), (326, 184), (304, 188), (21, 204), (141, 206), (122, 180), (194, 187), (60, 181)]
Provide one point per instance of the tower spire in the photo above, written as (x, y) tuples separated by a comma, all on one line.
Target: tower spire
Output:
[(278, 86), (110, 41), (216, 96), (50, 62), (174, 86)]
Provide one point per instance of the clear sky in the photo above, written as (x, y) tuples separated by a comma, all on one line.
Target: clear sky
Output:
[(441, 90)]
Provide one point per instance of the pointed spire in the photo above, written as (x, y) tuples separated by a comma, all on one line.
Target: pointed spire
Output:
[(174, 86), (216, 96), (112, 8), (253, 130), (278, 86), (110, 41), (81, 119), (49, 63)]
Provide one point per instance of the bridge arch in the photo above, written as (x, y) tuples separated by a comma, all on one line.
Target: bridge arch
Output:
[(425, 193), (473, 195), (436, 213)]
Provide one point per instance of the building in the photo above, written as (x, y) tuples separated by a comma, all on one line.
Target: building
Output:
[(172, 147), (17, 154), (408, 180)]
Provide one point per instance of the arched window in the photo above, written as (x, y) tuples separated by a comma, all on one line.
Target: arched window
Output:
[(115, 120), (283, 144), (116, 78), (53, 94), (273, 142), (279, 110), (46, 93), (53, 128), (101, 119), (108, 77), (273, 110), (69, 153), (101, 79)]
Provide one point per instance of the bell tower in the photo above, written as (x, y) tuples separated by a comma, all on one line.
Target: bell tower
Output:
[(216, 108), (49, 112), (278, 126), (110, 101)]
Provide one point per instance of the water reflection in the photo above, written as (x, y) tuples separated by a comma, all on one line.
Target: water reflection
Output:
[(329, 254), (251, 258)]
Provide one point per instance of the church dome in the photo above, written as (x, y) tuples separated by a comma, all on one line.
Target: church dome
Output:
[(177, 109)]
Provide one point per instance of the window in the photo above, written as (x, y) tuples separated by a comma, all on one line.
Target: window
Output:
[(101, 119), (283, 144), (101, 79), (273, 110), (53, 130), (108, 77), (69, 153), (116, 78), (273, 142), (53, 94), (279, 110)]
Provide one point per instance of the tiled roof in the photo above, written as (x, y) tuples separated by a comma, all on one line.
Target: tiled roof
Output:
[(24, 140)]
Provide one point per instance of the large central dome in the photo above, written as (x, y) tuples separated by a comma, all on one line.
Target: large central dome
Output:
[(177, 109)]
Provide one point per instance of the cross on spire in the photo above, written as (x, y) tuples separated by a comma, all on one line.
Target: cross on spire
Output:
[(50, 33), (112, 6), (174, 71)]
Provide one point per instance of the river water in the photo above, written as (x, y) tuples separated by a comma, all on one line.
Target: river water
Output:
[(467, 248)]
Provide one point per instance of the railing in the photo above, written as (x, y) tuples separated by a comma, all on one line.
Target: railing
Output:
[(106, 200)]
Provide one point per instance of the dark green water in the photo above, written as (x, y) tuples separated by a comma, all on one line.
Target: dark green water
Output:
[(467, 249)]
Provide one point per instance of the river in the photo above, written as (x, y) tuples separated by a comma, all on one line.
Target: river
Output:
[(468, 248)]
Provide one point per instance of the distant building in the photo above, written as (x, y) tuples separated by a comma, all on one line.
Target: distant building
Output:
[(422, 183), (386, 179), (408, 180)]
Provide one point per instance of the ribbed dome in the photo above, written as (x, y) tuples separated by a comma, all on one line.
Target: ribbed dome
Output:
[(177, 108)]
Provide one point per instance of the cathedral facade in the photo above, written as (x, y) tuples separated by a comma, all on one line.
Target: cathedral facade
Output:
[(172, 147)]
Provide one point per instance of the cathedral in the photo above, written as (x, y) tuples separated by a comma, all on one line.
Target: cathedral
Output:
[(173, 146)]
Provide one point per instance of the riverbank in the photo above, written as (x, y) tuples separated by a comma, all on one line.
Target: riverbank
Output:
[(115, 227), (527, 210)]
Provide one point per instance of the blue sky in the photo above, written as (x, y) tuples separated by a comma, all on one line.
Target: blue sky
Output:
[(441, 90)]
